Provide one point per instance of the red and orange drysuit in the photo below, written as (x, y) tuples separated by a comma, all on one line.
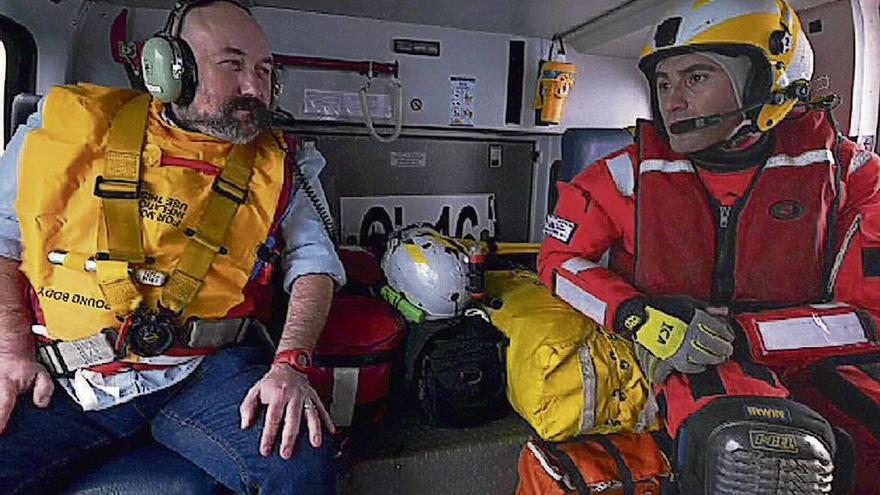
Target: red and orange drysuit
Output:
[(793, 254)]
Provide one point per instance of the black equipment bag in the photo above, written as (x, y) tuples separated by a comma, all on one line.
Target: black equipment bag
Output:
[(455, 369)]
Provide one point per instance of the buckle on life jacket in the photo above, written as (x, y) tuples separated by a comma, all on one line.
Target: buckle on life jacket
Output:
[(148, 333), (117, 188), (230, 190)]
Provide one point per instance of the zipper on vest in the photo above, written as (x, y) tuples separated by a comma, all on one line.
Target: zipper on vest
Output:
[(725, 257), (723, 216)]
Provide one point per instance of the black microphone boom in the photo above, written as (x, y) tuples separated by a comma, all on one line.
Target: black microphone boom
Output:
[(697, 123), (797, 90)]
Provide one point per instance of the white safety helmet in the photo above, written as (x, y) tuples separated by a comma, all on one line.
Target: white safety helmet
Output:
[(429, 269), (768, 31)]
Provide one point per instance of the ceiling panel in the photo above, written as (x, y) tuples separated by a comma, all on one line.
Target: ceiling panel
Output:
[(540, 18), (621, 33)]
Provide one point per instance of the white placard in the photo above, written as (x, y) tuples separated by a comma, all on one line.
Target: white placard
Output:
[(409, 159), (465, 215), (335, 105), (462, 100), (812, 332)]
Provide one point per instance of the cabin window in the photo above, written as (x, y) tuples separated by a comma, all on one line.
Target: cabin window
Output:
[(18, 70)]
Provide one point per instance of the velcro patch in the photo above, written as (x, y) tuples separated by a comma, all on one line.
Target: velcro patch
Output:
[(559, 228), (870, 262)]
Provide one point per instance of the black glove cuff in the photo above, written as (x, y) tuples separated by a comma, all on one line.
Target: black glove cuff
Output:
[(681, 307), (631, 315)]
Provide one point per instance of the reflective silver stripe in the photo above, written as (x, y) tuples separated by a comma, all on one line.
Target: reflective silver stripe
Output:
[(577, 264), (648, 416), (345, 385), (859, 160), (621, 169), (802, 160), (841, 254), (667, 167), (812, 332), (588, 369), (542, 460), (581, 300)]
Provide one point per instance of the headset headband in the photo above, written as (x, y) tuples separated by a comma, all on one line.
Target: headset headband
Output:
[(174, 23)]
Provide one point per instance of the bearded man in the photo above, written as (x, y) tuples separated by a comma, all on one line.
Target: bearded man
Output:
[(146, 228)]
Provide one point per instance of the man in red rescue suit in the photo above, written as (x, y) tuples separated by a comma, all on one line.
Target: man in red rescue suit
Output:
[(743, 241), (146, 228)]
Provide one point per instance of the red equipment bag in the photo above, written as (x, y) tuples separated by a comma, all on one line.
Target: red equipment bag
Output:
[(846, 391), (619, 464), (355, 356)]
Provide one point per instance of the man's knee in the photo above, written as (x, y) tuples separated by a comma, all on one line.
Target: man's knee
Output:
[(310, 471), (756, 445)]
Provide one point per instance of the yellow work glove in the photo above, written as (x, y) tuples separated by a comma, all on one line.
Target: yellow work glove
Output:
[(674, 334)]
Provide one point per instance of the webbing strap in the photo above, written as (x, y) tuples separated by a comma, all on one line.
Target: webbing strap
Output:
[(570, 467), (626, 476), (116, 285), (119, 188), (230, 190), (119, 185)]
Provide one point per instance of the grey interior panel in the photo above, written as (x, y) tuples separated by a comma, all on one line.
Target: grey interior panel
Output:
[(359, 166)]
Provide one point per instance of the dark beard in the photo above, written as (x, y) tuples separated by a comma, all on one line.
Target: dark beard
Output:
[(226, 125)]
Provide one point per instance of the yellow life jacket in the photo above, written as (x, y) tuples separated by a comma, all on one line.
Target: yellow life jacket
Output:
[(58, 210), (566, 375)]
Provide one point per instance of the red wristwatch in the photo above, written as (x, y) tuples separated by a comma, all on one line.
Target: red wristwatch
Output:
[(298, 359)]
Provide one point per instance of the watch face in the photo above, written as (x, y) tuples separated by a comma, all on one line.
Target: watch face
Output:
[(303, 360)]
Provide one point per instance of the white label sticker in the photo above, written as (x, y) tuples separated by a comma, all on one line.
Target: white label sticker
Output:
[(336, 105), (408, 159), (462, 101), (559, 228)]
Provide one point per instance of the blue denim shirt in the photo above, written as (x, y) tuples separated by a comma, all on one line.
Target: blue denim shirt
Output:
[(308, 250)]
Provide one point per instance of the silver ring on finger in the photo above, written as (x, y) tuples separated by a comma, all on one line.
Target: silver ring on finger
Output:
[(309, 404)]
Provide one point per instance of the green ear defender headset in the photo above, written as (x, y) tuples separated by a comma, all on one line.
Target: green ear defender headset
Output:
[(168, 65)]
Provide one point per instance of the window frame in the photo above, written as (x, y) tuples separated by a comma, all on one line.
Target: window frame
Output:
[(21, 67)]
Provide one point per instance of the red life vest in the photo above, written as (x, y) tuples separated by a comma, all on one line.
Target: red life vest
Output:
[(769, 248)]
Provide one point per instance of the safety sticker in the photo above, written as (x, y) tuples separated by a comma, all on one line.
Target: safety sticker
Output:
[(559, 228)]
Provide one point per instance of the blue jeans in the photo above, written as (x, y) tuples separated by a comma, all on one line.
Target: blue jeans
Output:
[(197, 418)]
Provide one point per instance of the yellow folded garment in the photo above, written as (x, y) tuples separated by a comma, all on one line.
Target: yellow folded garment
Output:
[(566, 375)]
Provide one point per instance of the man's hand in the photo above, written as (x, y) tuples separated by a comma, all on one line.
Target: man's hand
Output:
[(286, 393), (17, 376), (674, 334)]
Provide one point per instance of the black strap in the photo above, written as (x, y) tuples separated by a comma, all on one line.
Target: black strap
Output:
[(629, 486), (759, 372), (573, 472), (341, 361), (417, 338), (707, 384), (847, 396)]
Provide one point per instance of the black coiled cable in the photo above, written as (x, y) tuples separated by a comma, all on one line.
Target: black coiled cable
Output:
[(303, 183)]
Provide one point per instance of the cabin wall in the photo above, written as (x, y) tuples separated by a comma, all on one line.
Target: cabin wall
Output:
[(610, 92), (867, 16), (835, 54), (846, 51), (602, 85)]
